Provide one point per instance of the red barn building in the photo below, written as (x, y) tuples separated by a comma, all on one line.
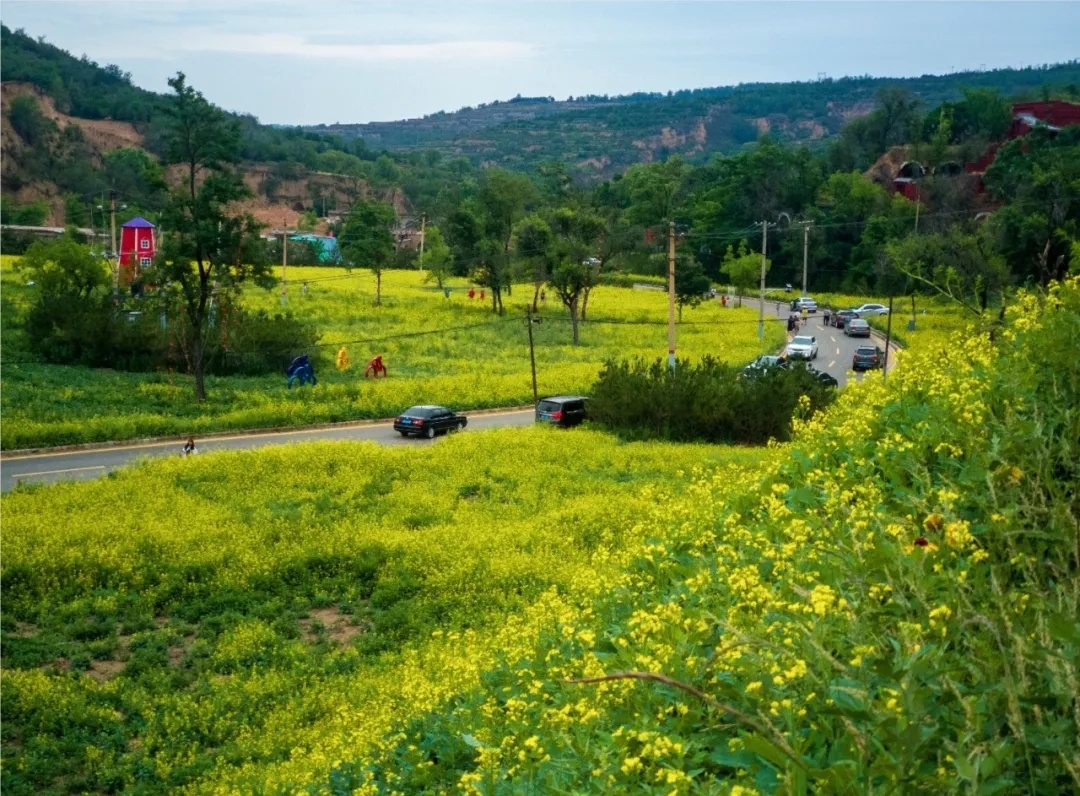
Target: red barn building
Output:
[(137, 247)]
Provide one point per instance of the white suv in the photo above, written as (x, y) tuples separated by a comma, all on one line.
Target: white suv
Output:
[(803, 347)]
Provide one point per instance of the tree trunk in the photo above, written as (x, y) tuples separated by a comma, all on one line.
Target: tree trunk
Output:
[(198, 362), (378, 288), (536, 295), (574, 319)]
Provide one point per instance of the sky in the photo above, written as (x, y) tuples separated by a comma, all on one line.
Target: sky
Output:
[(335, 61)]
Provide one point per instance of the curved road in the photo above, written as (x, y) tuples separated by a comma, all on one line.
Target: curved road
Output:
[(834, 357), (835, 349)]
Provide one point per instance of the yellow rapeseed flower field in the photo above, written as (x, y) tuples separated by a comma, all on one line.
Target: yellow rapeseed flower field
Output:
[(885, 604)]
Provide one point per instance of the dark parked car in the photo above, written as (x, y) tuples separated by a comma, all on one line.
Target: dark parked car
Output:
[(561, 410), (840, 317), (427, 421), (867, 357), (763, 364), (820, 375)]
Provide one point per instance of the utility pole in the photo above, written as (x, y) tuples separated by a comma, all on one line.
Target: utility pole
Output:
[(761, 298), (423, 224), (112, 246), (671, 296), (284, 260), (888, 339), (532, 354), (805, 250), (918, 198)]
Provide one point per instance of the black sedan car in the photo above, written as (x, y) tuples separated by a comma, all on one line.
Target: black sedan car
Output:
[(867, 357), (427, 421), (840, 317)]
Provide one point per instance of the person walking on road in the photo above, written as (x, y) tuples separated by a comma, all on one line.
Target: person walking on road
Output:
[(189, 447)]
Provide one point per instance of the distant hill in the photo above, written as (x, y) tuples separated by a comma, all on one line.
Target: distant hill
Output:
[(72, 129), (604, 135)]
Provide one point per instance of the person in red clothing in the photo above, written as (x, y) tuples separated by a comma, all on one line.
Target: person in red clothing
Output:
[(472, 293), (481, 295)]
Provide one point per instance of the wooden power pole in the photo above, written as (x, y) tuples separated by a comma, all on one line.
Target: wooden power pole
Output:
[(671, 296)]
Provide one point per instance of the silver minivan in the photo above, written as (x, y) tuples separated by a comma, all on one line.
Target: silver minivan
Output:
[(804, 303)]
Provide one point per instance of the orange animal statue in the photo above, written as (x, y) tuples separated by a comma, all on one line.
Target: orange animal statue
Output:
[(376, 366)]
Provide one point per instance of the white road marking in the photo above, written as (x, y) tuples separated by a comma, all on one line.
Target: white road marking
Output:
[(53, 472), (832, 363), (838, 350)]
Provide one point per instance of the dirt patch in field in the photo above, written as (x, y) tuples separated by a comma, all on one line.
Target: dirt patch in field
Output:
[(24, 630), (339, 627), (104, 671), (176, 655)]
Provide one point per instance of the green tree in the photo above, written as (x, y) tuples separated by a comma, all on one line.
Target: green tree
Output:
[(743, 267), (437, 256), (207, 247), (64, 269), (367, 239), (1038, 176), (580, 238), (504, 198), (136, 177), (568, 280), (961, 265), (691, 284), (533, 241), (30, 215), (653, 192), (33, 126)]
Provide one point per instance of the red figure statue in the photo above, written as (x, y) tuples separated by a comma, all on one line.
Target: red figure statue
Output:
[(376, 365)]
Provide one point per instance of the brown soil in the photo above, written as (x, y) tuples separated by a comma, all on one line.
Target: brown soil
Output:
[(103, 135), (176, 655), (24, 630), (339, 627), (886, 168), (103, 671)]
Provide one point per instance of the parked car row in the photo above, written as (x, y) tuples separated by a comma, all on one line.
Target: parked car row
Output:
[(427, 420)]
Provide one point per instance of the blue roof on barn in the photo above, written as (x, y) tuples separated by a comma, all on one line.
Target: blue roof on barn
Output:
[(328, 246), (139, 222)]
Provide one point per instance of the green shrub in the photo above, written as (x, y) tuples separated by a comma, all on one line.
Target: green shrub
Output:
[(705, 401)]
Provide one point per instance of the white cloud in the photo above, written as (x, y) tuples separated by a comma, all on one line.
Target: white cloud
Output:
[(288, 44)]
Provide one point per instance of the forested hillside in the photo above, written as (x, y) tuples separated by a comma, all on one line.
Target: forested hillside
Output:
[(73, 129), (604, 135)]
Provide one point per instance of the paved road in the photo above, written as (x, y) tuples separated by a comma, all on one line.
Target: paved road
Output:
[(835, 349), (85, 465), (834, 357)]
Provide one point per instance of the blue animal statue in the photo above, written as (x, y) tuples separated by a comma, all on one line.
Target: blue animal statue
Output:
[(301, 370)]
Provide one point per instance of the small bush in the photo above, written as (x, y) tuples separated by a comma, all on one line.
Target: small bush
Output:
[(705, 401)]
